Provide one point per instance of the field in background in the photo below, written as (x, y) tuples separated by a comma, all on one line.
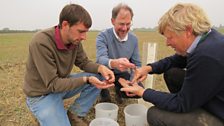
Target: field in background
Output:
[(13, 55)]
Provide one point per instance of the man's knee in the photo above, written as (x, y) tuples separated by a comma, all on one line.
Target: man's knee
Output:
[(174, 79), (153, 116), (158, 117), (51, 116)]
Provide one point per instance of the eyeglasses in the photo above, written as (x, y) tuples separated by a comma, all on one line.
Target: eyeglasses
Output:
[(128, 25)]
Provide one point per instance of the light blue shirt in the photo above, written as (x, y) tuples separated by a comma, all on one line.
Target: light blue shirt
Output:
[(194, 44)]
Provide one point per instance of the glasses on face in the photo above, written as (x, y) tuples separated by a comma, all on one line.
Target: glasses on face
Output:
[(128, 25)]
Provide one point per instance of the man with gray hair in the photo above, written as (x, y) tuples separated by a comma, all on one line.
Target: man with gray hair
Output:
[(117, 48)]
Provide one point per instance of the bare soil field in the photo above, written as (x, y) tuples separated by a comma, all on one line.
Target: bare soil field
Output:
[(13, 55)]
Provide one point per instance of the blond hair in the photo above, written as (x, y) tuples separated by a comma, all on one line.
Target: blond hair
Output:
[(182, 15)]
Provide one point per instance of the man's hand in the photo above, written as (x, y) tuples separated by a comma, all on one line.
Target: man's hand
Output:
[(128, 87), (122, 64), (141, 73), (99, 84), (106, 73)]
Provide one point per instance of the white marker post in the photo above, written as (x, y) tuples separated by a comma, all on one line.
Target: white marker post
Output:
[(148, 56)]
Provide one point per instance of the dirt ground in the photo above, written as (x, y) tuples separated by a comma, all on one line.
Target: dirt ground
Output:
[(13, 55), (121, 118), (13, 109)]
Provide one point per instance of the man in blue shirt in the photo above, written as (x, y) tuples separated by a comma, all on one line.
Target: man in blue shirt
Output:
[(117, 48), (197, 99)]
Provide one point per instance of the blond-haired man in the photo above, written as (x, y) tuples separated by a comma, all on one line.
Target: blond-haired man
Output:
[(197, 99)]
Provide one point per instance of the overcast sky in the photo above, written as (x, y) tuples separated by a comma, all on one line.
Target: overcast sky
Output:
[(40, 14)]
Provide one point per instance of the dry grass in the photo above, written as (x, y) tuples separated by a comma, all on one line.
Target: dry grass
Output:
[(13, 54)]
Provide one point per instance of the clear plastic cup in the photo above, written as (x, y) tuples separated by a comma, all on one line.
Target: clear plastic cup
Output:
[(103, 122), (106, 110), (135, 115)]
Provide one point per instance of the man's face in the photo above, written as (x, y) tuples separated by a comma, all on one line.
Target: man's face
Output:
[(76, 33), (122, 23), (179, 42)]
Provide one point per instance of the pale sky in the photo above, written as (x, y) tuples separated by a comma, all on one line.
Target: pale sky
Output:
[(40, 14)]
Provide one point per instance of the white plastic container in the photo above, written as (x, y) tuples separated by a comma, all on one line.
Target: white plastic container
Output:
[(106, 110), (103, 122), (135, 115)]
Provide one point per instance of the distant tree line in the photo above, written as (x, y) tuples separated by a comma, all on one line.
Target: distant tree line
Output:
[(220, 28), (7, 30), (145, 29)]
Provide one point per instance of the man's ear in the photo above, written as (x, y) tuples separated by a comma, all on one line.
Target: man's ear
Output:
[(64, 24), (189, 30), (113, 21)]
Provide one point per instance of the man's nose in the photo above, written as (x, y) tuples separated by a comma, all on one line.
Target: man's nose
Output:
[(124, 27), (167, 43), (83, 36)]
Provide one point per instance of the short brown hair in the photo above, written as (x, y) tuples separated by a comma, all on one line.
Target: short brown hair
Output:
[(120, 6), (74, 14)]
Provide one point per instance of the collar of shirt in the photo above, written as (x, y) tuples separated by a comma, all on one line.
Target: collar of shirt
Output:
[(118, 38), (195, 42), (59, 43)]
